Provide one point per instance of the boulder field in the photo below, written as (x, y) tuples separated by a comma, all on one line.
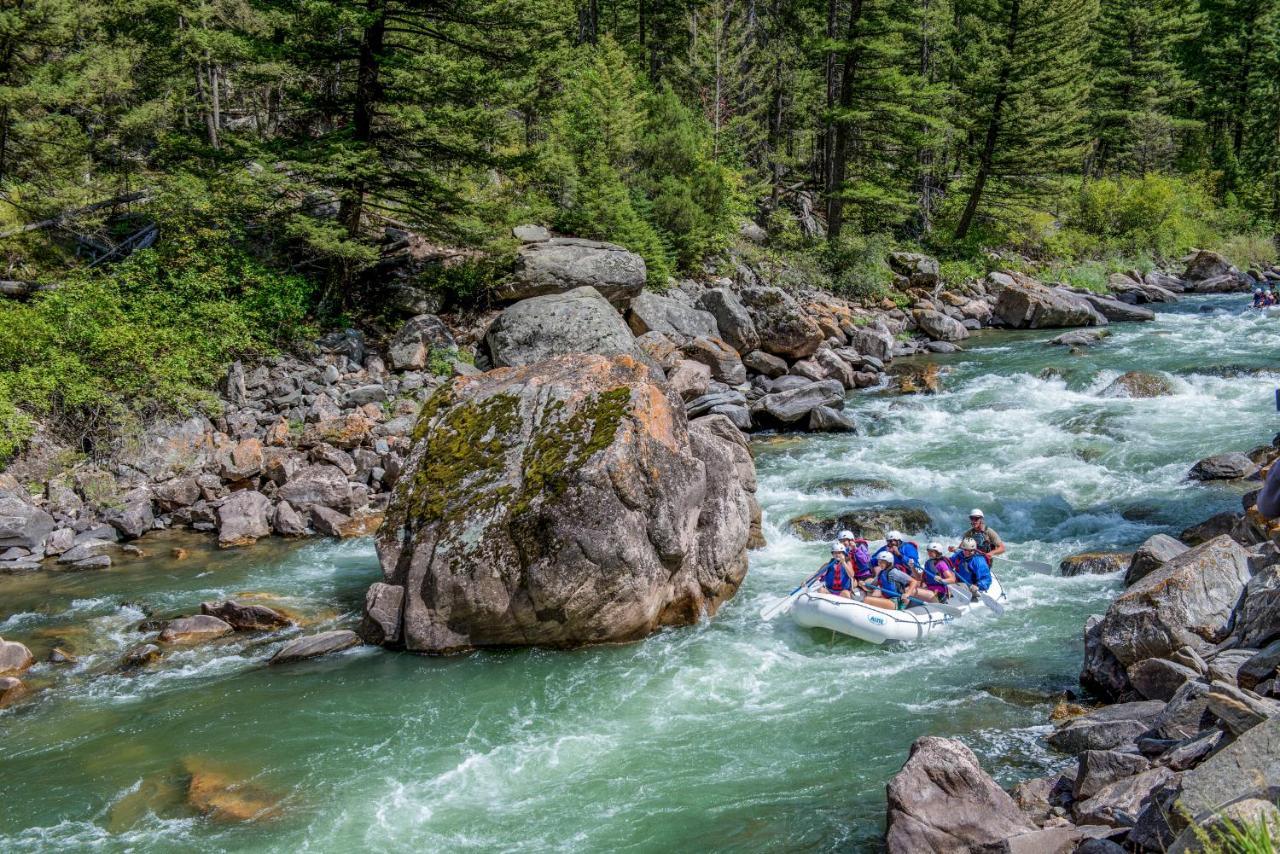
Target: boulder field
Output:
[(558, 504)]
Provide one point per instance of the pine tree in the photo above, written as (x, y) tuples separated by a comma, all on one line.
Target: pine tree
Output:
[(1024, 79)]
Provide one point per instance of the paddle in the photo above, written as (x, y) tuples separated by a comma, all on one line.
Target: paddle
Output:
[(960, 593), (777, 608), (1033, 565), (996, 607)]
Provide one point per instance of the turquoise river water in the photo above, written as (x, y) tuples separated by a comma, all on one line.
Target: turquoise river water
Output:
[(732, 735)]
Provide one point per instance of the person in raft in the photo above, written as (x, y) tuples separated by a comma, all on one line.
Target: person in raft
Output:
[(970, 566), (1259, 298), (837, 574), (859, 554), (884, 592), (935, 575), (989, 542), (905, 555)]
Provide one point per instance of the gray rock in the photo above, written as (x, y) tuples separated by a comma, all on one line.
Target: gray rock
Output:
[(383, 605), (88, 547), (1192, 751), (785, 329), (346, 342), (871, 341), (22, 524), (920, 270), (734, 322), (824, 419), (95, 562), (1260, 666), (530, 233), (1024, 303), (939, 326), (196, 629), (176, 493), (1151, 555), (1186, 714), (763, 363), (722, 359), (14, 657), (942, 801), (1232, 466), (790, 382), (1257, 617), (1100, 768), (1093, 563), (1247, 768), (789, 407), (317, 484), (1238, 709), (328, 522), (1118, 312), (140, 655), (288, 522), (314, 646), (59, 541), (597, 452), (243, 518), (410, 349), (562, 264), (942, 347), (1106, 728), (1120, 803), (689, 379), (246, 617), (1138, 384), (1159, 678), (132, 520), (1187, 602), (1098, 846), (1224, 665), (1079, 338), (1215, 526), (579, 321), (1101, 673), (1208, 265), (704, 404), (653, 313), (740, 416)]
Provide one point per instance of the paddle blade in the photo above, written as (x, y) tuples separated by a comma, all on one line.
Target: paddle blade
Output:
[(960, 593), (900, 576), (768, 612), (996, 607)]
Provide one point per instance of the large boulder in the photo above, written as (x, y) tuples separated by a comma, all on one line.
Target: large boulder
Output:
[(22, 524), (1117, 311), (1229, 466), (1208, 265), (563, 264), (410, 349), (1186, 602), (937, 325), (1093, 563), (794, 404), (724, 362), (784, 327), (579, 321), (920, 270), (314, 646), (942, 801), (196, 629), (1257, 618), (244, 517), (653, 313), (1248, 767), (246, 616), (561, 504), (1106, 728), (14, 657), (873, 341), (1120, 803), (1151, 555), (1024, 303), (733, 320), (317, 485)]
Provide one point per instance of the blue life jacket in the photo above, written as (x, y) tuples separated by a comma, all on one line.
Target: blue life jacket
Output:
[(888, 587), (910, 554), (933, 569), (973, 570), (835, 578)]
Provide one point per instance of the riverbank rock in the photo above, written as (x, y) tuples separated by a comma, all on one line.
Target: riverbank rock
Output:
[(21, 524), (1138, 384), (1024, 303), (1116, 311), (939, 326), (197, 629), (411, 348), (1154, 553), (1217, 525), (1093, 563), (942, 801), (12, 689), (314, 646), (785, 329), (1186, 602), (561, 504), (651, 312), (561, 264), (735, 323), (1230, 466), (1257, 617), (1106, 728), (788, 407), (15, 658), (871, 522), (537, 329), (244, 517), (1207, 265), (1247, 768)]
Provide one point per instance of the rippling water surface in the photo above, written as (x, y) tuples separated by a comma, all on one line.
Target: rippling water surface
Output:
[(732, 735)]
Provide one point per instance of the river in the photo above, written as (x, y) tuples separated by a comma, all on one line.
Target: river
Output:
[(732, 735)]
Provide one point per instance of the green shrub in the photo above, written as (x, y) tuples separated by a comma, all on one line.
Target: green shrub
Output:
[(858, 267), (1247, 250)]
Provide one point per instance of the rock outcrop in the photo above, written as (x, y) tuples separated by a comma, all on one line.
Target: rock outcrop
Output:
[(1024, 303), (562, 264), (578, 321), (563, 503), (943, 802)]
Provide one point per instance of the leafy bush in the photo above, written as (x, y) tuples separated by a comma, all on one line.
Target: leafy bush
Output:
[(858, 267), (1246, 250)]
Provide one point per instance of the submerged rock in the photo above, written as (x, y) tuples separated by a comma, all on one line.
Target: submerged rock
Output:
[(224, 797), (197, 629), (314, 646), (918, 378), (1138, 384), (560, 504), (1093, 563), (1230, 466), (246, 617), (14, 657), (942, 801), (11, 689)]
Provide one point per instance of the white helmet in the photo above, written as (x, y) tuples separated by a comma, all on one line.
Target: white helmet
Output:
[(884, 557), (1257, 290), (969, 544), (976, 512), (934, 547), (845, 535), (837, 547), (894, 535)]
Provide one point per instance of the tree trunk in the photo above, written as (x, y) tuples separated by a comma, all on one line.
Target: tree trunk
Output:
[(840, 152), (987, 156), (368, 94), (215, 103), (828, 140)]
